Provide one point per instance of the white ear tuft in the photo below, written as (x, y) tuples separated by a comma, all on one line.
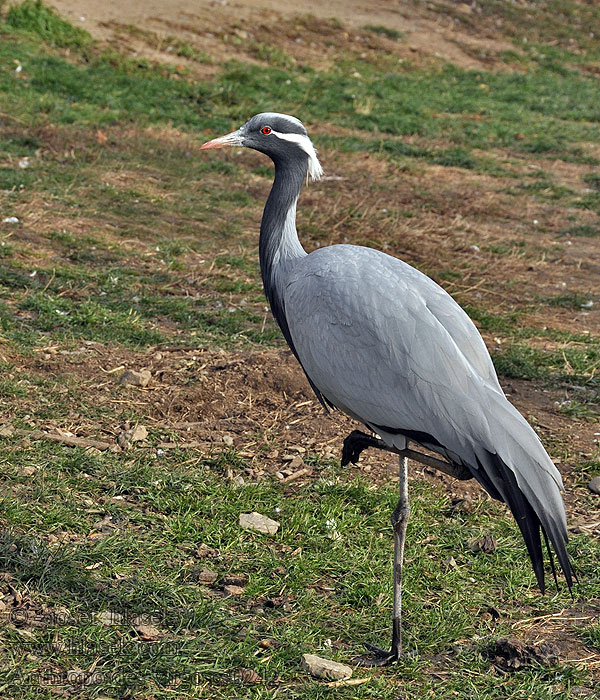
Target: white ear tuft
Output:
[(314, 167)]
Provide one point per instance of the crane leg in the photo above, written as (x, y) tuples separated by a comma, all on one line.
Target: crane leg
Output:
[(381, 657)]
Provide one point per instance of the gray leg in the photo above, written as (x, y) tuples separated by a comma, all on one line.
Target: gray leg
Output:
[(399, 523), (400, 516)]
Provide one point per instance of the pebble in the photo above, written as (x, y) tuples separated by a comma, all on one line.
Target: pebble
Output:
[(258, 523), (484, 544), (594, 485), (324, 668), (136, 434), (207, 576), (233, 590), (132, 377), (148, 633)]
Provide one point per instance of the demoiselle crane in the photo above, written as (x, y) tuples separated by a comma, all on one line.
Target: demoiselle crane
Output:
[(384, 343)]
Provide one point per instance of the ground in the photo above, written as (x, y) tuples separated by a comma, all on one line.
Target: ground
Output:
[(460, 137)]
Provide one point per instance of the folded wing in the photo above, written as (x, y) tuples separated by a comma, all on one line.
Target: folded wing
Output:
[(387, 345)]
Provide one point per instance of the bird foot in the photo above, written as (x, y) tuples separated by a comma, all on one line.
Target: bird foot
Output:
[(378, 657), (354, 444)]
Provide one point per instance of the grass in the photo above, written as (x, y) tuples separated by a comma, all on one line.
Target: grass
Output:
[(144, 565), (132, 249), (39, 19), (384, 31)]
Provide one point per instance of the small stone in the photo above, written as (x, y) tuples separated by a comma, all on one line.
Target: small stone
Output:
[(228, 440), (148, 633), (235, 580), (594, 485), (233, 590), (206, 552), (207, 576), (27, 471), (132, 377), (136, 434), (486, 544), (296, 462), (267, 643), (258, 523), (6, 431), (324, 668)]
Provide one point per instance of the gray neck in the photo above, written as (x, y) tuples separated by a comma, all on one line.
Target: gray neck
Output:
[(279, 246)]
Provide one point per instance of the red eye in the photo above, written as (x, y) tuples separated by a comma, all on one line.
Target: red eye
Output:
[(266, 130)]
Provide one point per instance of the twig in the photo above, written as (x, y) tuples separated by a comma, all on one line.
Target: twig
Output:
[(296, 475), (71, 440), (348, 681)]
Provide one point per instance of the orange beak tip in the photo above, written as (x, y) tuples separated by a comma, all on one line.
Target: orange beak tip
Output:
[(215, 143), (232, 139)]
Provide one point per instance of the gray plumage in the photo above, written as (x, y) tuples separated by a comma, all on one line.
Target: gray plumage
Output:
[(382, 342)]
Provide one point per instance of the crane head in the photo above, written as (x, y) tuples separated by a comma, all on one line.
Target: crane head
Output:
[(279, 136)]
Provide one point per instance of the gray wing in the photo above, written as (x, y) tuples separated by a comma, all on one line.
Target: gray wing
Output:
[(388, 346)]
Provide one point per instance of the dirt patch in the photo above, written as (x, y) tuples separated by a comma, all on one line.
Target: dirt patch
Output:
[(222, 31)]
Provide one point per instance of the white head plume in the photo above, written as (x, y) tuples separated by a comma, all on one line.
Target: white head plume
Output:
[(314, 166)]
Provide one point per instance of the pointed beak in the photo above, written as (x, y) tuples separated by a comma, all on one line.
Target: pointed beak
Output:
[(235, 138)]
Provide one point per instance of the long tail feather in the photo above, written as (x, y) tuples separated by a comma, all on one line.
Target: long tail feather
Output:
[(532, 521)]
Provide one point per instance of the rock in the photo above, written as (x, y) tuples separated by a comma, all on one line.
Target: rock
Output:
[(148, 633), (206, 552), (594, 485), (135, 434), (207, 576), (235, 580), (132, 377), (324, 668), (296, 462), (233, 590), (258, 523), (228, 440), (268, 643), (484, 544)]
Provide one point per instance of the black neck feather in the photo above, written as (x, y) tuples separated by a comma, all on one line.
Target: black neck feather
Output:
[(278, 238)]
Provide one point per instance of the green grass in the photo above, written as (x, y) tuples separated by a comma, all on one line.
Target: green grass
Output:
[(39, 19), (572, 300), (384, 31), (143, 563)]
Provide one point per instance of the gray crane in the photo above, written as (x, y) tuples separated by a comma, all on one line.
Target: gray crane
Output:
[(382, 342)]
